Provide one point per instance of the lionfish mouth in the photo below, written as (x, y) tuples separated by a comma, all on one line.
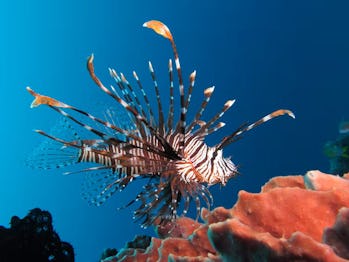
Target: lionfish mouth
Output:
[(173, 156)]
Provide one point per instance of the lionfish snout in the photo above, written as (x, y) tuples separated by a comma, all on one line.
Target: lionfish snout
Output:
[(222, 169), (232, 171)]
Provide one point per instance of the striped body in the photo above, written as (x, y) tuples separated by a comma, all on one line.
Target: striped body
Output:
[(195, 165), (173, 156)]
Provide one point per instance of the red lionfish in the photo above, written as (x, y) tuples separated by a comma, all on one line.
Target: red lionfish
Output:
[(173, 156)]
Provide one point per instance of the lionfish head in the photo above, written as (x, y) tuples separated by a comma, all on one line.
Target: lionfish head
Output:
[(232, 171), (223, 168)]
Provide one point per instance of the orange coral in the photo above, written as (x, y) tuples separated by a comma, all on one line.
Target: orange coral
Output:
[(303, 218)]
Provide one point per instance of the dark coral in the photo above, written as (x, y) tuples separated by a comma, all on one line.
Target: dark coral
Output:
[(33, 239), (338, 235), (141, 242), (108, 252)]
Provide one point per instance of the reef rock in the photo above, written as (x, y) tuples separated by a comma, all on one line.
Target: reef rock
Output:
[(33, 238), (293, 218)]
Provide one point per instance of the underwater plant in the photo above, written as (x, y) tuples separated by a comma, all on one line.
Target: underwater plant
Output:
[(174, 157), (338, 151)]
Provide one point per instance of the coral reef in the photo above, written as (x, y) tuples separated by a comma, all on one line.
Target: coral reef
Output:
[(293, 218), (33, 239)]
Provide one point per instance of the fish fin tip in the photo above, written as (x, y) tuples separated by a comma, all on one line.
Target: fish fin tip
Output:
[(90, 58), (291, 114), (31, 91), (35, 103), (36, 95), (160, 28)]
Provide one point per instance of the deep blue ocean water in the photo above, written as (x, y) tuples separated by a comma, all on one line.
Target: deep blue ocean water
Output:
[(265, 54)]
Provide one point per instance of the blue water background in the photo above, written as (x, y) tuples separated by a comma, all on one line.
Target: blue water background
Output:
[(265, 54)]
